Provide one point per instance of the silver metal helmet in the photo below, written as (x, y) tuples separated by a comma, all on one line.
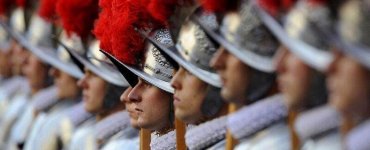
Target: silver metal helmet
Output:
[(193, 51), (244, 35), (40, 33), (92, 59), (155, 69), (39, 40), (155, 63), (197, 49), (17, 25), (4, 38), (97, 63), (307, 32), (354, 24)]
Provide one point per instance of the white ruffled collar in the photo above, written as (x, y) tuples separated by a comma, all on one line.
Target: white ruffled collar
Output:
[(44, 99), (257, 116), (206, 134), (359, 137), (77, 114), (167, 141), (111, 125), (306, 124)]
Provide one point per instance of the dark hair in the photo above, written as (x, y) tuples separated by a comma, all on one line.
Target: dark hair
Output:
[(213, 102), (112, 95), (260, 83), (317, 93), (49, 79)]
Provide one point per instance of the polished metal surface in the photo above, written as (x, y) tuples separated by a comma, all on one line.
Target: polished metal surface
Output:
[(354, 30)]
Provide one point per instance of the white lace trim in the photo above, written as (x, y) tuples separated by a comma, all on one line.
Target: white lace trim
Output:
[(257, 116), (316, 121), (206, 134), (16, 85), (45, 98), (77, 114), (164, 142), (111, 125), (358, 138)]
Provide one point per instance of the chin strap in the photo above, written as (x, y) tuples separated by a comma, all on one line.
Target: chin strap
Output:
[(231, 142), (180, 134), (144, 139)]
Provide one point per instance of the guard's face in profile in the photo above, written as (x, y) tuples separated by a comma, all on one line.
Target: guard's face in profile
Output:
[(152, 105), (189, 95), (234, 75), (94, 89), (293, 78), (18, 58), (349, 85), (66, 84), (5, 64), (36, 73), (130, 107)]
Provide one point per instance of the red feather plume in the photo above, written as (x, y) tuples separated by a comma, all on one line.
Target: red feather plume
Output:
[(287, 4), (21, 3), (47, 9), (118, 25), (317, 1), (5, 6), (219, 6), (271, 6), (103, 26), (162, 9), (274, 7), (78, 16), (129, 16)]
